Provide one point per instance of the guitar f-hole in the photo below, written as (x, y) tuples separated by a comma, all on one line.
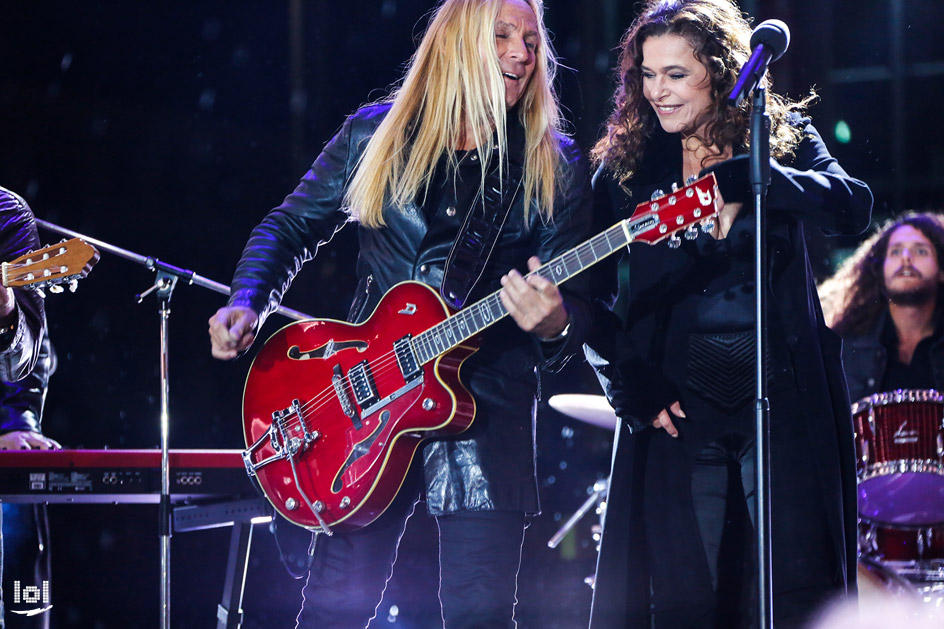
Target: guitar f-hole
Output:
[(359, 450)]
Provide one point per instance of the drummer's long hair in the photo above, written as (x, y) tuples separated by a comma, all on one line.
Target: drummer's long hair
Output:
[(855, 295)]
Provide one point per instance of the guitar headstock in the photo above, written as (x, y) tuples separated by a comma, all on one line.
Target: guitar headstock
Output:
[(682, 209), (63, 263)]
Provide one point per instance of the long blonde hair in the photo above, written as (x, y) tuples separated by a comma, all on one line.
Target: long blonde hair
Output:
[(453, 84)]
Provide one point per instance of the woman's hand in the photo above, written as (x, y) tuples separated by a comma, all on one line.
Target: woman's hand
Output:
[(664, 419)]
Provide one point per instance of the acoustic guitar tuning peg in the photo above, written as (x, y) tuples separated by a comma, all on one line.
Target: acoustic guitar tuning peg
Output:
[(41, 293), (73, 285), (55, 288), (674, 241)]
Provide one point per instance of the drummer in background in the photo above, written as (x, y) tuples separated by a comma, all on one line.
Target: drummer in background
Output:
[(885, 301)]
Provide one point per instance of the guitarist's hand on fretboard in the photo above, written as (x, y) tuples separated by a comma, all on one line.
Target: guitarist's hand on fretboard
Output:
[(534, 303), (232, 331)]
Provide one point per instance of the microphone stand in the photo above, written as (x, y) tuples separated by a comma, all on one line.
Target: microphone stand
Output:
[(164, 283), (760, 180)]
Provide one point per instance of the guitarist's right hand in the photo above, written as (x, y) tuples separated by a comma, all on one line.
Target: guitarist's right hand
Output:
[(232, 331)]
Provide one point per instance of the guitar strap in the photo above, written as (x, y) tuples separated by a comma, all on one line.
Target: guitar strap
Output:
[(479, 233)]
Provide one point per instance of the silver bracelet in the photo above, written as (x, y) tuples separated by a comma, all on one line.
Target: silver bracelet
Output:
[(562, 335)]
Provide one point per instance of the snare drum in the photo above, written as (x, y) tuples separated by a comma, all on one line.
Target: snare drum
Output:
[(900, 457), (893, 544)]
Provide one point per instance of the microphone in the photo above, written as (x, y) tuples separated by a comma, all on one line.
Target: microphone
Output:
[(768, 41)]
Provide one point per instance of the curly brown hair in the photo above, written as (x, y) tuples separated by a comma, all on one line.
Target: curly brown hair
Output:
[(854, 296), (720, 37)]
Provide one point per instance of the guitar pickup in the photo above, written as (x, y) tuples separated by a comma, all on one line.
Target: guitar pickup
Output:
[(406, 359), (363, 385)]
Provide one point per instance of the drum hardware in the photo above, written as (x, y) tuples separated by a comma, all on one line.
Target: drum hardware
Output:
[(598, 498)]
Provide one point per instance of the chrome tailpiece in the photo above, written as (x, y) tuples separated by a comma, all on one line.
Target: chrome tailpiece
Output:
[(289, 437)]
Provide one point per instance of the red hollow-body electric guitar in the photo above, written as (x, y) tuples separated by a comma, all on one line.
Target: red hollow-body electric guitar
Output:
[(334, 412)]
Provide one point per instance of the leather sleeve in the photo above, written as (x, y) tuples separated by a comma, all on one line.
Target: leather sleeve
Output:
[(814, 187), (21, 402), (291, 233), (18, 236)]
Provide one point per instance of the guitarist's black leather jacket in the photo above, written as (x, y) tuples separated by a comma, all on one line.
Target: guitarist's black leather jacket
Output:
[(25, 354), (491, 466)]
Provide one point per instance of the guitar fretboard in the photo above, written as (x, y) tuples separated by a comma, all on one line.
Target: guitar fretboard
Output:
[(469, 321)]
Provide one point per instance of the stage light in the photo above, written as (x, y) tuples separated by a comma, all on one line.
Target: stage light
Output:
[(843, 132)]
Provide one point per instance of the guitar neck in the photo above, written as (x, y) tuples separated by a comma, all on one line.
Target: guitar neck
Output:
[(468, 322)]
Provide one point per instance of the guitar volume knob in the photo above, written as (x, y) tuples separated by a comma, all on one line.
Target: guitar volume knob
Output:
[(291, 504), (429, 404)]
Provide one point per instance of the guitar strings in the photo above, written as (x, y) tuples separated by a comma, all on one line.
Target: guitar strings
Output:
[(381, 367)]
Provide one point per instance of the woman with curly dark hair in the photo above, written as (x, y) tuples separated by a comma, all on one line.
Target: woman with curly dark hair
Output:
[(676, 358), (886, 300)]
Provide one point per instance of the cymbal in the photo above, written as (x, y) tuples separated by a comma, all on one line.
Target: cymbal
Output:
[(590, 409)]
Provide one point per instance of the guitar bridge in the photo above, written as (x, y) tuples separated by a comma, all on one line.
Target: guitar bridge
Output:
[(347, 405)]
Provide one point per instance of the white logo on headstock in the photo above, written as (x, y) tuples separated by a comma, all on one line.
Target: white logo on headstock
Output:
[(703, 197), (409, 309)]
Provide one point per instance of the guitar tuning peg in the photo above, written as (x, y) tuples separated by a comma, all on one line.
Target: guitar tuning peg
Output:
[(674, 187), (708, 225), (674, 241), (690, 180), (41, 293), (691, 232), (656, 194), (73, 285), (55, 288)]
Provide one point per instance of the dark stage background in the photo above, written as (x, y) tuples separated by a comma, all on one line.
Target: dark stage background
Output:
[(170, 129)]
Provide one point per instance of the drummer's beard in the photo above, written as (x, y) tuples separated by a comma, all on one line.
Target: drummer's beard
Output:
[(916, 296)]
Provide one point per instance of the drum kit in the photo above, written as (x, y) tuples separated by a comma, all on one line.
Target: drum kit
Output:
[(899, 441)]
